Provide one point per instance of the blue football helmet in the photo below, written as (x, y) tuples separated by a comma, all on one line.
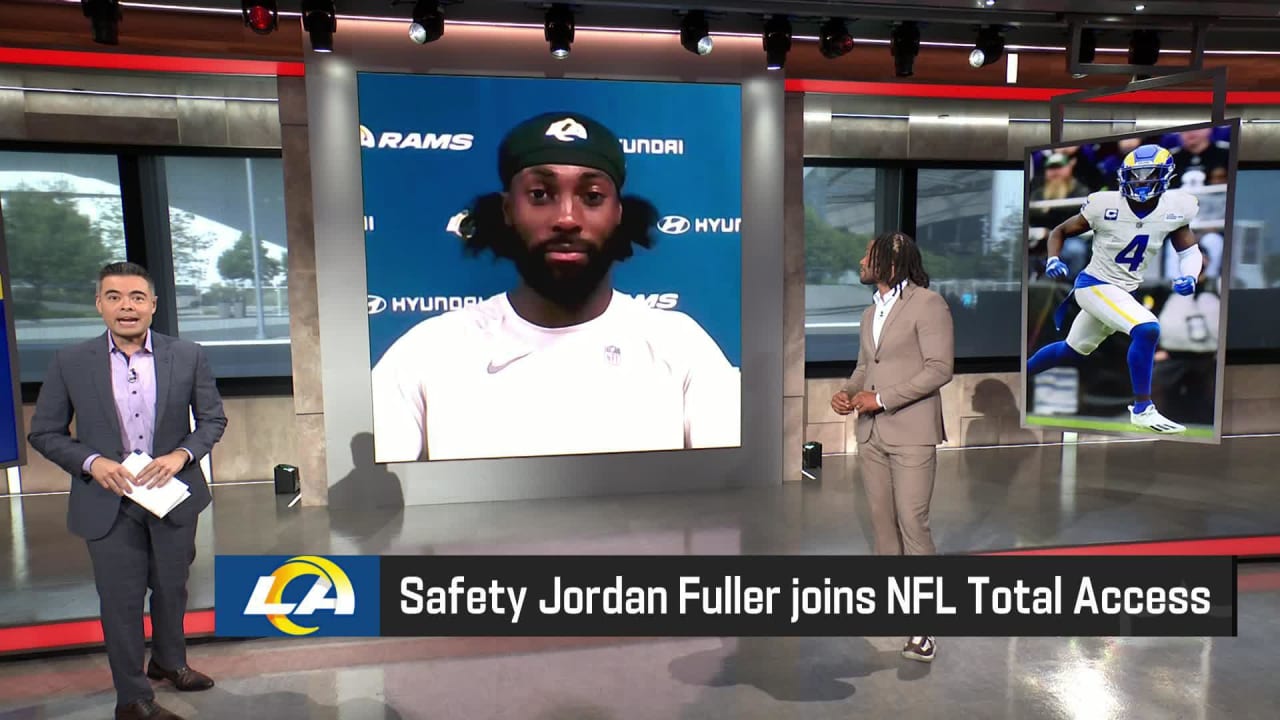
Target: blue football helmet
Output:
[(1146, 172)]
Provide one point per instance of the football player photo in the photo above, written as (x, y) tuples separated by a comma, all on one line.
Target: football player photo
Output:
[(1109, 254), (562, 362)]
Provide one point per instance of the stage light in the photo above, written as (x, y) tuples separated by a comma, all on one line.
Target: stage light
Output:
[(559, 30), (777, 41), (1144, 47), (104, 15), (695, 33), (428, 22), (988, 48), (260, 16), (904, 45), (834, 39)]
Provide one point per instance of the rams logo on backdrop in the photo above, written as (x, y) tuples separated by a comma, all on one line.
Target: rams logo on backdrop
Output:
[(377, 304), (296, 596), (660, 301), (416, 140)]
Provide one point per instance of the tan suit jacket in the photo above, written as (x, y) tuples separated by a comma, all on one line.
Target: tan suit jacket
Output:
[(914, 359)]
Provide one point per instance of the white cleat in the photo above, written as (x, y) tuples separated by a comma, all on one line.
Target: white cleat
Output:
[(1151, 419)]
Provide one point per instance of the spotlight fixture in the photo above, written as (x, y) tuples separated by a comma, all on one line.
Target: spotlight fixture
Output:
[(260, 16), (988, 48), (904, 45), (104, 15), (428, 22), (834, 39), (777, 41), (695, 33), (1144, 47), (1087, 49), (320, 22), (559, 30)]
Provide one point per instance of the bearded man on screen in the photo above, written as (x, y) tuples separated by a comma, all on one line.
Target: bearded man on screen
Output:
[(563, 363)]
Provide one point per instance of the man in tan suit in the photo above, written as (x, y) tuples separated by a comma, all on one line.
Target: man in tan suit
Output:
[(907, 354)]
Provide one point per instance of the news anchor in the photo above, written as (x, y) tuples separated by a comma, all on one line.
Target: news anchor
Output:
[(132, 389), (906, 356)]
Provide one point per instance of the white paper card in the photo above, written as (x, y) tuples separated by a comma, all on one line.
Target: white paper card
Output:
[(159, 501)]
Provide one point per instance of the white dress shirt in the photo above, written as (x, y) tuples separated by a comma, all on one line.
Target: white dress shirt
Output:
[(883, 305)]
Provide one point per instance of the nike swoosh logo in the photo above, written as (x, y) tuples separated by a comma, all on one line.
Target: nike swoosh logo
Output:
[(499, 367)]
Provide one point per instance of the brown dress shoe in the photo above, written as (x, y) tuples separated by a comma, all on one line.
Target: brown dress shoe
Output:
[(184, 678), (144, 710)]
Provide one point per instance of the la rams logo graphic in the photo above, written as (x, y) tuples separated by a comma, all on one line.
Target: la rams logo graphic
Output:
[(567, 130), (268, 593), (366, 137)]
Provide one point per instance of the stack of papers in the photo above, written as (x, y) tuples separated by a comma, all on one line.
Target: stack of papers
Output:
[(160, 500)]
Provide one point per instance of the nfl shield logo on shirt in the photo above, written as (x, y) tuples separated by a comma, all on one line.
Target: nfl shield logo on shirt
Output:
[(613, 355)]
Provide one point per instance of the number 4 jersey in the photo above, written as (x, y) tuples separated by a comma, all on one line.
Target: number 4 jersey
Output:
[(1124, 243)]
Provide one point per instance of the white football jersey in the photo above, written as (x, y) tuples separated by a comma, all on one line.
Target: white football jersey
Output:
[(1123, 243), (483, 382)]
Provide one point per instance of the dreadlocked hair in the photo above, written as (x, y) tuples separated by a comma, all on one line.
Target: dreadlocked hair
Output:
[(484, 228), (895, 257)]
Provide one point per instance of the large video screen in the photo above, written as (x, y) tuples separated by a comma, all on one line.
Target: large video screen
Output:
[(1128, 269), (553, 266)]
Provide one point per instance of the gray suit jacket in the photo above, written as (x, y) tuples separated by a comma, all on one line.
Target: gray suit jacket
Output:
[(78, 384), (915, 358)]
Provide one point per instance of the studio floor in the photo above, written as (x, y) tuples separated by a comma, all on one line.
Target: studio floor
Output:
[(986, 499)]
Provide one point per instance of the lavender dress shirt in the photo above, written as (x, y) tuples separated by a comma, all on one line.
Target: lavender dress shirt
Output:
[(133, 385)]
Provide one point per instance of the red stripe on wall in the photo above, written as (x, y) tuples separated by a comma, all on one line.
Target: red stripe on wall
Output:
[(1020, 94), (49, 636), (149, 63)]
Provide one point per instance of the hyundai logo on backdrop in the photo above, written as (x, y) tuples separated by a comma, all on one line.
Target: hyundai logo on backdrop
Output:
[(679, 225), (420, 304), (440, 303), (652, 146), (674, 225)]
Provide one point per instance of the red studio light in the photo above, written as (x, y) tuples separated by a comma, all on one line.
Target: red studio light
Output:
[(260, 15), (834, 39)]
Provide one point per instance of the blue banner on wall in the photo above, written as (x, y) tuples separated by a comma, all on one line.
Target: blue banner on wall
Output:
[(10, 442), (435, 146)]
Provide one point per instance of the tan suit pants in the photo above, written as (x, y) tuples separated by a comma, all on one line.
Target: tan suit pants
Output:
[(898, 480)]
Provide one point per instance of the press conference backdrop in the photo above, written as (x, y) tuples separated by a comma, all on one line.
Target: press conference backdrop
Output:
[(1185, 381), (429, 147)]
